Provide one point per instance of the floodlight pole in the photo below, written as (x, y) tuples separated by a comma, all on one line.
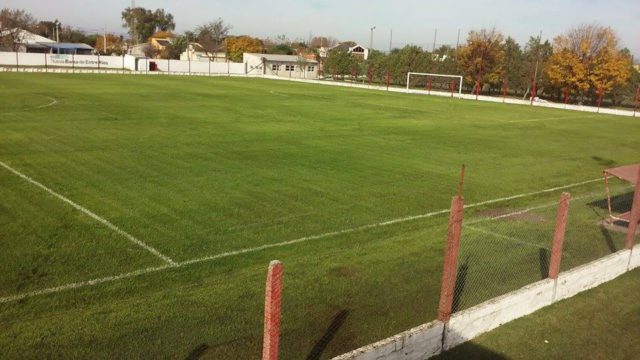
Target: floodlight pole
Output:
[(371, 41)]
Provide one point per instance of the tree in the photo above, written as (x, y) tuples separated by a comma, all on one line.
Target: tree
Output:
[(113, 44), (588, 59), (212, 35), (482, 58), (514, 69), (322, 41), (536, 57), (177, 47), (142, 23), (237, 45), (12, 23)]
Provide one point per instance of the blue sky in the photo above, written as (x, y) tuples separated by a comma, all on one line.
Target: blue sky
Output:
[(412, 21)]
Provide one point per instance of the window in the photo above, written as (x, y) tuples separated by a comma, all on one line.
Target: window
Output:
[(289, 67), (275, 67), (311, 68)]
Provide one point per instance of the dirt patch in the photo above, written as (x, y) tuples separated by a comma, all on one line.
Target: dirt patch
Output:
[(513, 214), (344, 272)]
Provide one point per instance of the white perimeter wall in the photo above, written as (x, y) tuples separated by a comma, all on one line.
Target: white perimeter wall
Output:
[(63, 60), (431, 339)]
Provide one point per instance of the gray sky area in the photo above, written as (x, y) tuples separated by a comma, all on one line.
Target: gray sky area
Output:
[(412, 21)]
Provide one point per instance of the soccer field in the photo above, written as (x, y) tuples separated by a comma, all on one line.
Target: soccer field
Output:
[(138, 214)]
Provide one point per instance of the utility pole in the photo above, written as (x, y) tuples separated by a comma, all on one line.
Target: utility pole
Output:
[(104, 32), (371, 42), (391, 41), (458, 41), (133, 22), (535, 74), (435, 37)]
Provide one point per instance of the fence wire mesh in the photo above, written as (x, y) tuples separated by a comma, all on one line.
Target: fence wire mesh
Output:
[(506, 247)]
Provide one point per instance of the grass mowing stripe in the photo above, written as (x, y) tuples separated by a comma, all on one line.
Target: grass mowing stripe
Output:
[(92, 215), (268, 246)]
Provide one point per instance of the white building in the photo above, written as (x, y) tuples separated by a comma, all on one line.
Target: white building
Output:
[(196, 52), (291, 66)]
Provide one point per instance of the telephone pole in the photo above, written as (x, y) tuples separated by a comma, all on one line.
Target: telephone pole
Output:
[(391, 41), (371, 42), (435, 37)]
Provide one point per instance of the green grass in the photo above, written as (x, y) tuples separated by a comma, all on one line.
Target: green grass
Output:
[(197, 167), (599, 324)]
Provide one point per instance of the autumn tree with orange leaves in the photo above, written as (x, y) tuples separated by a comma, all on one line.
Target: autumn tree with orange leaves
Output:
[(237, 45), (587, 59)]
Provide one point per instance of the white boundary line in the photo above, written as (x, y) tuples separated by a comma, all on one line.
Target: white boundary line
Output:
[(592, 116), (53, 102), (505, 237), (92, 215), (174, 265)]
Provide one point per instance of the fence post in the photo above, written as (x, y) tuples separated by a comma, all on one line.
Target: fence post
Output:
[(450, 266), (477, 89), (452, 87), (506, 89), (637, 99), (73, 61), (558, 237), (272, 301), (46, 64), (388, 79), (635, 214), (123, 63), (600, 95), (17, 61), (534, 92)]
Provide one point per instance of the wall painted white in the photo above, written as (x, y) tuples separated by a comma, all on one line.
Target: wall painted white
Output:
[(468, 324), (635, 258), (62, 60), (591, 275), (421, 342)]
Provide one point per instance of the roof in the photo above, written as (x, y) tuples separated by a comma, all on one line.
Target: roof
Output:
[(26, 37), (68, 46), (283, 58), (627, 173)]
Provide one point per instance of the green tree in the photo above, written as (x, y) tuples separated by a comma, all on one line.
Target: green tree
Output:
[(142, 23), (212, 35), (514, 68)]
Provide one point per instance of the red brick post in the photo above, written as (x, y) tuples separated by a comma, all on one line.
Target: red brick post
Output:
[(450, 267), (635, 215), (272, 301), (558, 237)]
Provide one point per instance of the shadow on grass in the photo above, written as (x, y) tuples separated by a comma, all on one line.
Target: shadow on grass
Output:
[(543, 259), (619, 203), (321, 345), (198, 352), (461, 283), (470, 350), (606, 234)]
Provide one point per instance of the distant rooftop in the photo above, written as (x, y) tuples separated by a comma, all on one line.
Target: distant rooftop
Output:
[(283, 58)]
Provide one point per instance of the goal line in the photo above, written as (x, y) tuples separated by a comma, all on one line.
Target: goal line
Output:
[(454, 82)]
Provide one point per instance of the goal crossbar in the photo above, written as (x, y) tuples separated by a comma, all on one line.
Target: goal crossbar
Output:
[(459, 78)]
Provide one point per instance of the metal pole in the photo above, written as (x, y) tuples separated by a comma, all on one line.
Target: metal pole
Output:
[(272, 311), (17, 61), (635, 215), (46, 64), (391, 41), (458, 41), (104, 47), (371, 42), (450, 266), (535, 74), (73, 61), (435, 37), (558, 237)]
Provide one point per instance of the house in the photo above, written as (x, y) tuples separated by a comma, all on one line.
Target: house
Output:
[(347, 46), (161, 40), (197, 52), (291, 66), (29, 42)]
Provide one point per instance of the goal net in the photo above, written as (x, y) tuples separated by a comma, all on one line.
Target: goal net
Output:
[(435, 84)]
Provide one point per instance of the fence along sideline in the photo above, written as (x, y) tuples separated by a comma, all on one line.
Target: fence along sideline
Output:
[(451, 330)]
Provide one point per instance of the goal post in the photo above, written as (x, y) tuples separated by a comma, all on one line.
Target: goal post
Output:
[(437, 83)]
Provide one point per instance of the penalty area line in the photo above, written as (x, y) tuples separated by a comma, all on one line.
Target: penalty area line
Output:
[(174, 265), (91, 214)]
